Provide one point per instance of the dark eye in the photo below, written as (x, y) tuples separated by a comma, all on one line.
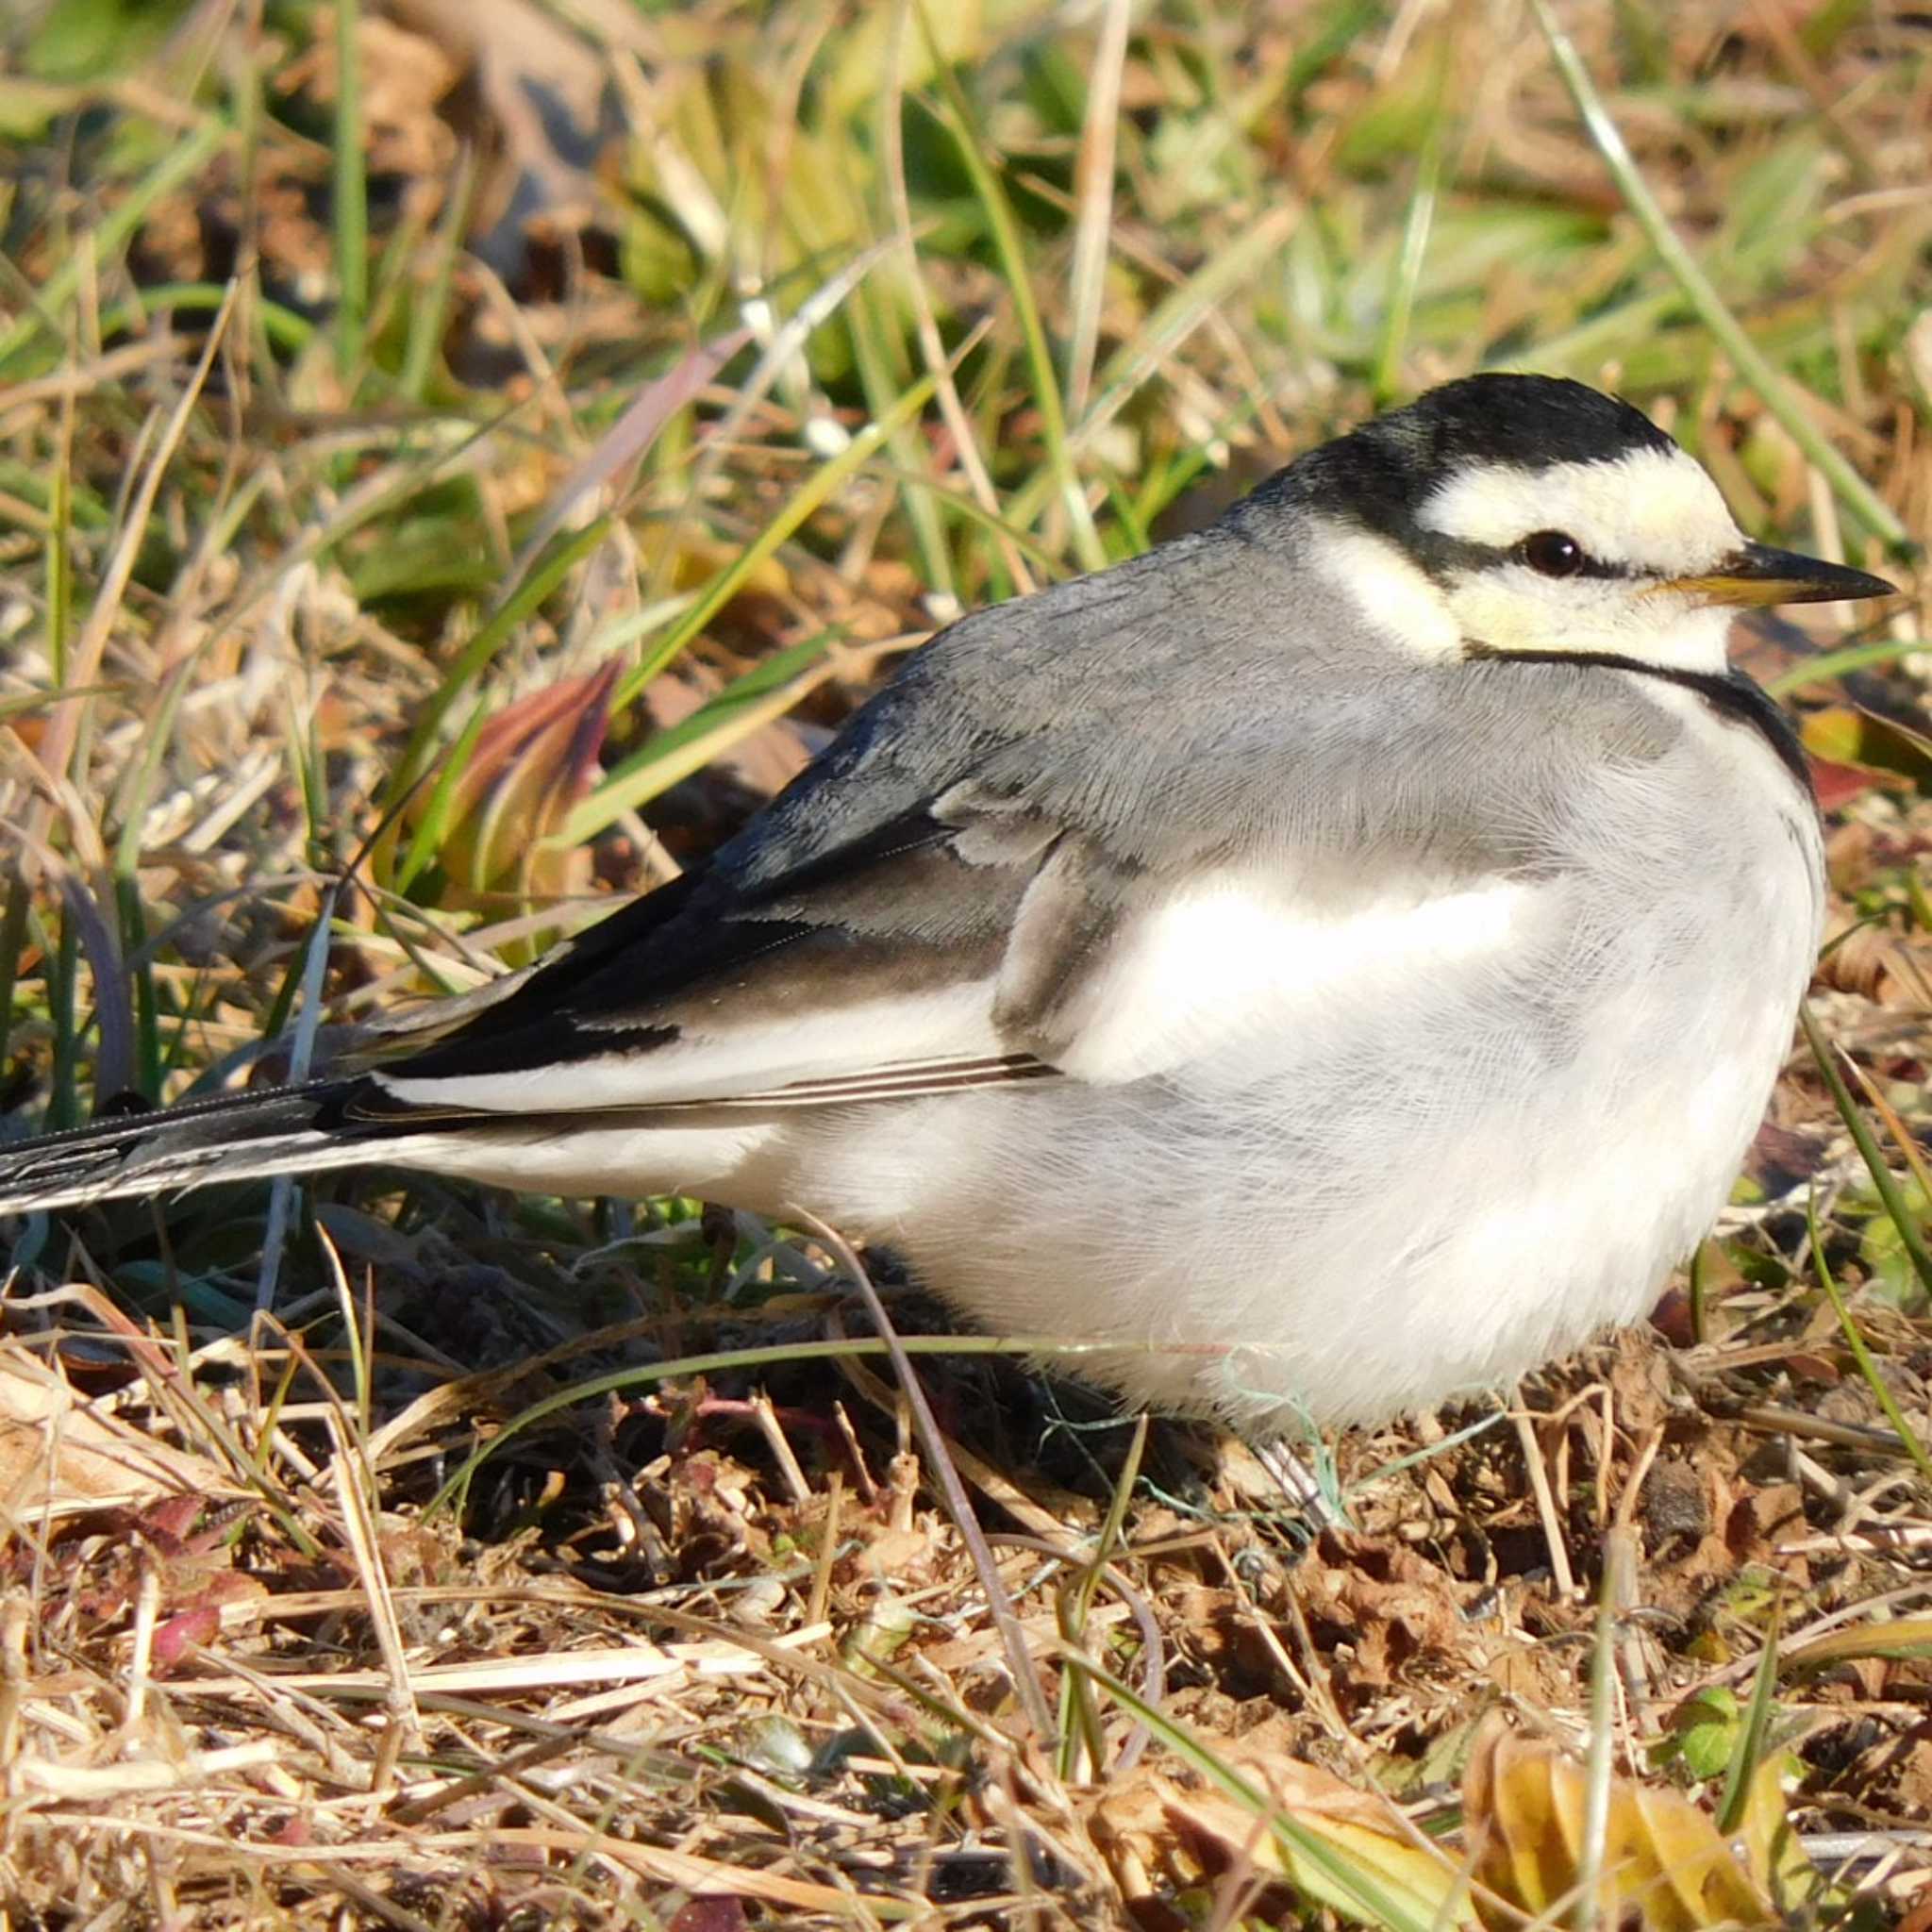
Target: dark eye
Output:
[(1551, 554)]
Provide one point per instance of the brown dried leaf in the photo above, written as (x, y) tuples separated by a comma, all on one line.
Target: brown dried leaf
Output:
[(60, 1455), (1879, 964), (1155, 1833), (1389, 1605)]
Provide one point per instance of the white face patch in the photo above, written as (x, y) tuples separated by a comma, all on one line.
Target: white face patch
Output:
[(1389, 592), (1653, 510), (1511, 609)]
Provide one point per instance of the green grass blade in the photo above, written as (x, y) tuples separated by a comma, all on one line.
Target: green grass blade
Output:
[(1749, 1753), (823, 483), (1318, 1866), (765, 693), (1830, 664), (634, 780), (476, 656), (102, 243), (1750, 362), (1416, 228), (1005, 230), (283, 328), (426, 841), (350, 212), (1866, 1141), (647, 1374), (1880, 1388), (428, 318)]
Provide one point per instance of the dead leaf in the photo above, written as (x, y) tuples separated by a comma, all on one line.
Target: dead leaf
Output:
[(551, 114), (1763, 1517), (1891, 969), (1854, 750), (1307, 1829), (1389, 1605), (61, 1455)]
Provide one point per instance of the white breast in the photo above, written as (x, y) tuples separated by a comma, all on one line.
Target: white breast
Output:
[(1444, 1175)]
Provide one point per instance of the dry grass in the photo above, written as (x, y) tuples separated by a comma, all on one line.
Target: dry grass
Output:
[(423, 516)]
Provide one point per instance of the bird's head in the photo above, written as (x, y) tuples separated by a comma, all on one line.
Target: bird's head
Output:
[(1508, 514)]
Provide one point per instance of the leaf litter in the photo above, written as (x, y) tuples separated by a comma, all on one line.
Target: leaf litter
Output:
[(700, 1647)]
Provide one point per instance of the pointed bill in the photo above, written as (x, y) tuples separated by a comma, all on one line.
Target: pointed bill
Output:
[(1757, 574)]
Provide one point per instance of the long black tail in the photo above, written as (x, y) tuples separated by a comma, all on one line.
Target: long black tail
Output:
[(245, 1136)]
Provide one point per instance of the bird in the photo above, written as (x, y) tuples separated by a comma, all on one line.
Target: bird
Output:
[(1324, 966)]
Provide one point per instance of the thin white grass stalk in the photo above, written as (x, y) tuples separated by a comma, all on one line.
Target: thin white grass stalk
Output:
[(1093, 186), (359, 1529), (95, 1783), (21, 401), (1546, 1501), (17, 1616), (1179, 313), (999, 1605), (780, 345), (359, 1343), (147, 1603), (766, 1416), (1600, 1764), (1746, 357)]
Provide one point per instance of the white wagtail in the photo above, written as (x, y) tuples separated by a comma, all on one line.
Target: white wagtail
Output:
[(1335, 961)]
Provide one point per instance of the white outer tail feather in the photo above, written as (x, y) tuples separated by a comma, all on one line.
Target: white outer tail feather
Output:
[(235, 1138)]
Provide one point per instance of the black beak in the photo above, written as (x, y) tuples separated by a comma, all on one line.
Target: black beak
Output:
[(1759, 574)]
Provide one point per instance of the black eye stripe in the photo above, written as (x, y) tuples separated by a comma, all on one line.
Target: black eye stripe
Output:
[(1586, 565), (1444, 558)]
